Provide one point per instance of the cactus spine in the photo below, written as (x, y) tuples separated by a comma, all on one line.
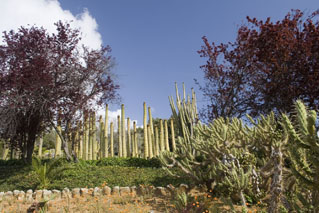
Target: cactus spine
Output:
[(112, 139), (106, 136), (124, 152), (146, 154)]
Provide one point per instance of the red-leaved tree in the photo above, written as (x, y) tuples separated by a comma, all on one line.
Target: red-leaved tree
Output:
[(42, 74), (267, 68)]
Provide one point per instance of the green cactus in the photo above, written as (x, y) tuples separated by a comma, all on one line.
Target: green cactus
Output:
[(304, 149), (173, 135), (146, 149), (112, 139), (166, 136), (162, 143), (157, 149), (149, 134), (129, 141), (80, 148), (106, 134), (135, 140), (94, 142), (101, 149), (58, 141), (86, 137), (40, 145), (120, 144), (123, 132)]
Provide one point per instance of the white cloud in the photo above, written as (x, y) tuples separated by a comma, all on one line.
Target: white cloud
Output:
[(112, 117), (44, 13)]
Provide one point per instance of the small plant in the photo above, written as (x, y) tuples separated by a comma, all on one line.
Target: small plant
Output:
[(45, 172)]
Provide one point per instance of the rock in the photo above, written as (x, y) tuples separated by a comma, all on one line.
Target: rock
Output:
[(66, 193), (124, 191), (133, 191), (96, 191), (21, 195), (38, 194), (47, 194), (16, 193), (106, 190), (76, 192), (28, 195), (90, 191), (1, 196), (8, 195), (56, 194), (160, 191), (116, 190), (84, 192), (140, 190)]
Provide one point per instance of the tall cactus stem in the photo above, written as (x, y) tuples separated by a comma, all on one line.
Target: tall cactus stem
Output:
[(106, 134), (173, 135), (120, 150), (146, 154), (124, 152), (112, 139)]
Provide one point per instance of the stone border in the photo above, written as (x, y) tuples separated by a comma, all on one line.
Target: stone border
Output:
[(40, 195)]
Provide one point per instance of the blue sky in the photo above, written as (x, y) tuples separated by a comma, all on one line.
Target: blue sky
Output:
[(155, 42)]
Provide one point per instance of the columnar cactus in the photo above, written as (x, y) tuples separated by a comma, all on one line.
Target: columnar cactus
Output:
[(101, 149), (40, 145), (94, 143), (58, 141), (146, 154), (129, 141), (123, 132), (90, 141), (5, 151), (86, 136), (106, 134), (162, 143), (119, 132), (157, 142), (112, 139), (149, 134), (152, 140), (173, 135), (166, 136), (80, 148), (135, 139)]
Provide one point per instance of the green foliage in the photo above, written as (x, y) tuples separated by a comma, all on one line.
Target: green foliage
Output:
[(45, 172)]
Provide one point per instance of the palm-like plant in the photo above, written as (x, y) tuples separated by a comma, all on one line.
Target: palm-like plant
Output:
[(45, 170)]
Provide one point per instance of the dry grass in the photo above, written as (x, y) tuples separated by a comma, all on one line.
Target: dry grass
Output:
[(119, 204)]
